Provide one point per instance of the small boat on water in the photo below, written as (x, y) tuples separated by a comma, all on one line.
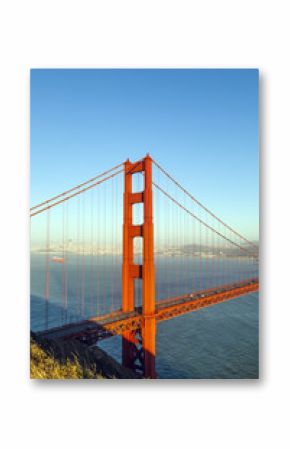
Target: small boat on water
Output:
[(58, 259)]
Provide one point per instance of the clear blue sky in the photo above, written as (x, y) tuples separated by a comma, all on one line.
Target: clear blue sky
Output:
[(201, 125)]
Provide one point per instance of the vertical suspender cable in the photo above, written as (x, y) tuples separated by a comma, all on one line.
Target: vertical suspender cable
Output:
[(67, 260), (91, 248), (199, 253), (113, 218), (98, 253), (78, 258), (63, 265), (47, 271), (83, 254)]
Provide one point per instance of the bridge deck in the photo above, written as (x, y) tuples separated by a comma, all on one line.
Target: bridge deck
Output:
[(96, 328)]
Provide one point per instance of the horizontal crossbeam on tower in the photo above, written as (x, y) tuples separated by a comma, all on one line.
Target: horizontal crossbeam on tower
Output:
[(136, 197)]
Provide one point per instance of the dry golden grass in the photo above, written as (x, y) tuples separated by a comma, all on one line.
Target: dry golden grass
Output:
[(44, 366)]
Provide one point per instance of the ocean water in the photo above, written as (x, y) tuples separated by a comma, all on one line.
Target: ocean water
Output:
[(218, 342)]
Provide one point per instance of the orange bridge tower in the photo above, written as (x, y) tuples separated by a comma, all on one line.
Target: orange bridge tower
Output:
[(138, 346)]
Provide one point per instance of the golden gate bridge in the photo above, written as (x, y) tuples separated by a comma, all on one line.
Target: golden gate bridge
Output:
[(105, 267)]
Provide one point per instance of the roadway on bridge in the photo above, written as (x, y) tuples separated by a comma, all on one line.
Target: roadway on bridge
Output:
[(97, 328)]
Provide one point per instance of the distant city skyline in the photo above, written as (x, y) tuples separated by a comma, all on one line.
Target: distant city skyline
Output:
[(202, 125), (88, 249)]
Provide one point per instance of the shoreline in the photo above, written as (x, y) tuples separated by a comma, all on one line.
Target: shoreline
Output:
[(51, 359)]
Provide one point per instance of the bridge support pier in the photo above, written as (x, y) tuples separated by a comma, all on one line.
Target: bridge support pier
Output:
[(138, 349), (132, 353), (149, 346)]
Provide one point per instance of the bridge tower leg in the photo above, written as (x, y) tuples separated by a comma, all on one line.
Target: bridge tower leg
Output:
[(138, 351)]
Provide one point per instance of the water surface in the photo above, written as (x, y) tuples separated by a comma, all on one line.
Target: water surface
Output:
[(215, 342)]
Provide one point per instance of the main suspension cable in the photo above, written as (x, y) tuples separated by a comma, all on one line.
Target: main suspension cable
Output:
[(76, 187), (200, 220), (201, 205), (77, 193)]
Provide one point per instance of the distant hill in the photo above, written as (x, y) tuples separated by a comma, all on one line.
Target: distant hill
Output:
[(230, 251)]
